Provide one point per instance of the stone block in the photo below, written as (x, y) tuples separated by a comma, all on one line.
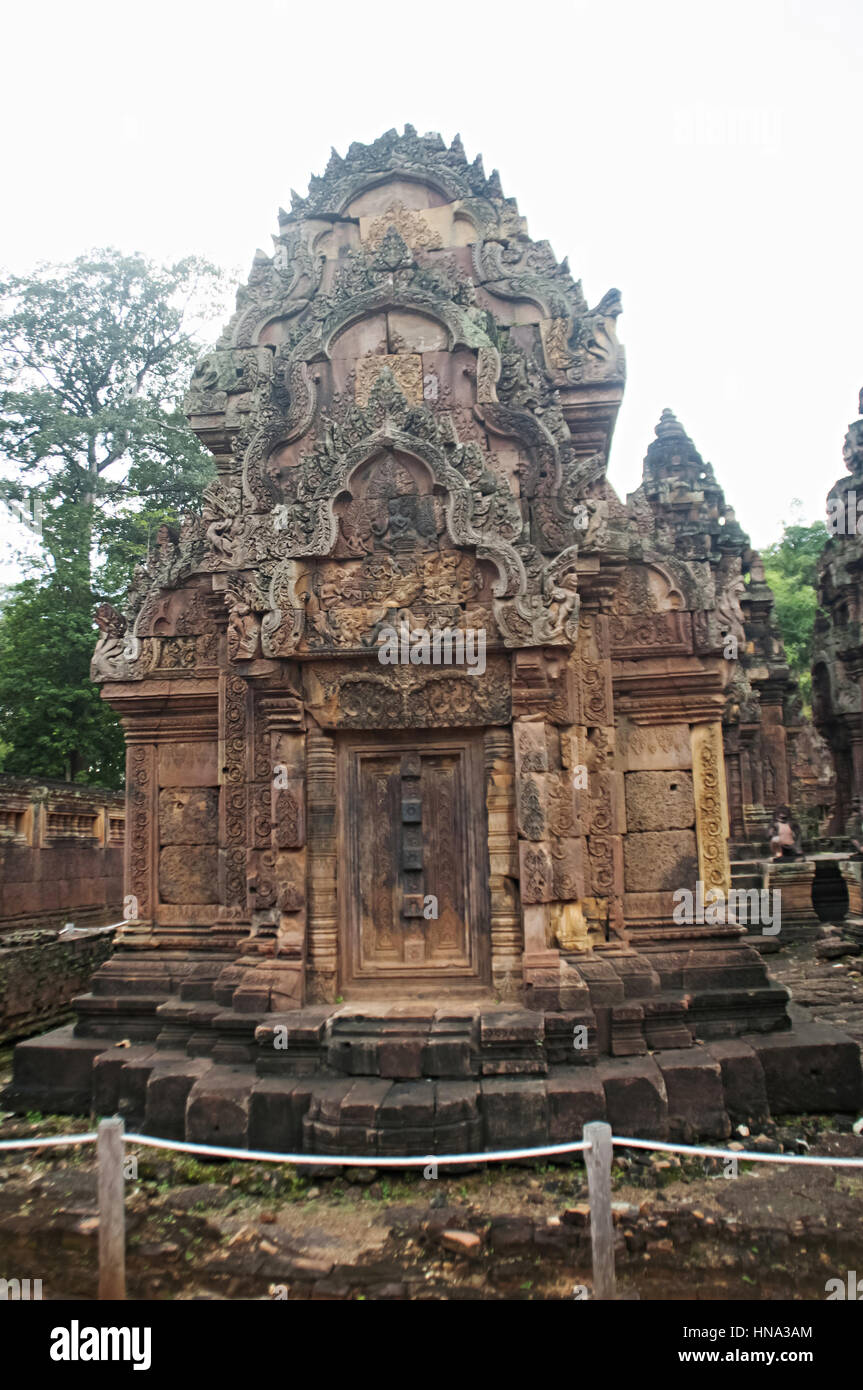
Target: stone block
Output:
[(217, 1111), (653, 747), (605, 858), (448, 1057), (568, 859), (742, 1080), (532, 806), (655, 860), (627, 1030), (277, 1106), (189, 816), (666, 1022), (408, 1105), (413, 333), (605, 807), (659, 801), (456, 1101), (531, 752), (696, 1099), (189, 764), (109, 1070), (189, 876), (537, 872), (648, 909), (355, 1056), (167, 1094), (369, 335), (635, 1097), (53, 1073), (810, 1070), (575, 1098), (132, 1095), (362, 1104), (401, 1058), (514, 1111)]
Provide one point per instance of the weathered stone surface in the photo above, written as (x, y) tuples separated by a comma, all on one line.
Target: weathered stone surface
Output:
[(192, 764), (40, 974), (515, 1112), (217, 1111), (653, 748), (696, 1100), (635, 1097), (575, 1097), (188, 816), (814, 1069), (659, 859), (742, 1080), (55, 1071), (168, 1091), (659, 801), (186, 877)]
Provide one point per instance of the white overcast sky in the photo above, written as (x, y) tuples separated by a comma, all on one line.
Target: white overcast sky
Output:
[(703, 159)]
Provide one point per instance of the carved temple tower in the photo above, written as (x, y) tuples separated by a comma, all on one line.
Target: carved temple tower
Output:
[(837, 656), (376, 901), (773, 755)]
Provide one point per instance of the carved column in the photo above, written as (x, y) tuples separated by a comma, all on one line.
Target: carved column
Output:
[(271, 974), (142, 838), (323, 922), (234, 747), (603, 813), (711, 807), (733, 790), (507, 937)]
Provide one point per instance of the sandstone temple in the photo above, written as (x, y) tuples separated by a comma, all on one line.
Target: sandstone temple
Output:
[(418, 894)]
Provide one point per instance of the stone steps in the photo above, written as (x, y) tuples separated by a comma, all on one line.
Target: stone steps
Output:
[(675, 1092)]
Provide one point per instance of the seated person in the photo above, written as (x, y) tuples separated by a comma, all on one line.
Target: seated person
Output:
[(784, 836)]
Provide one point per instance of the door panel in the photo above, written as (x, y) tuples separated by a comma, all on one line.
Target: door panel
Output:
[(414, 901)]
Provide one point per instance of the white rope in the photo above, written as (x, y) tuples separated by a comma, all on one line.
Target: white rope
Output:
[(361, 1161), (51, 1139), (407, 1161), (744, 1154)]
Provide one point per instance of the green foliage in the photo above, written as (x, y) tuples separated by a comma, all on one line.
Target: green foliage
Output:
[(94, 358), (791, 570), (54, 723)]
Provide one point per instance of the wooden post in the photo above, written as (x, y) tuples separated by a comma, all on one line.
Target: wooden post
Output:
[(598, 1160), (112, 1210)]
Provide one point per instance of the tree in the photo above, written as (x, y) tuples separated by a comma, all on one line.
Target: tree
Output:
[(94, 358), (791, 570), (53, 721)]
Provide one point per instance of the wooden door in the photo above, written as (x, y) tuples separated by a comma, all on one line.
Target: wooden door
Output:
[(414, 892)]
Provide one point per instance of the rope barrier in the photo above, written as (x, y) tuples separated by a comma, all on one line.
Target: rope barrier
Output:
[(419, 1161), (360, 1161), (51, 1139), (746, 1155)]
